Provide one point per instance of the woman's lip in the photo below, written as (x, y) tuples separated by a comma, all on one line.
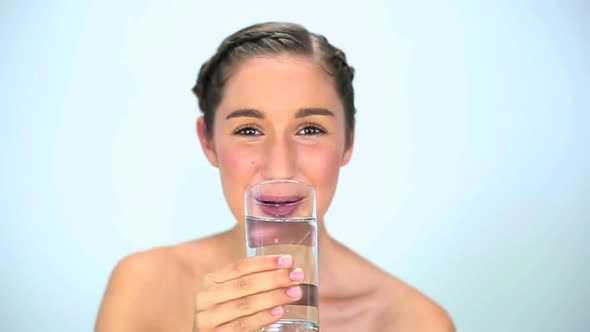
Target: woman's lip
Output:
[(278, 200), (278, 206)]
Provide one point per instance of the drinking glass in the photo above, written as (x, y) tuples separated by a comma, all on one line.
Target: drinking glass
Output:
[(281, 219)]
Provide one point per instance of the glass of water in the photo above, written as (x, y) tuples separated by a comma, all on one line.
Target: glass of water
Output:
[(281, 219)]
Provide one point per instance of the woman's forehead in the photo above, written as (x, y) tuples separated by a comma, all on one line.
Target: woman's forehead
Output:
[(280, 81)]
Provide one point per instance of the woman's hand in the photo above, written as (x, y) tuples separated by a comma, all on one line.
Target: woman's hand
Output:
[(247, 295)]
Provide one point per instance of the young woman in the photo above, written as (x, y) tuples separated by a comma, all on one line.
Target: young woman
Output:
[(278, 103)]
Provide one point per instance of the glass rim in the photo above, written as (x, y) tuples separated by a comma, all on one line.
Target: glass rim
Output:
[(280, 181), (252, 196)]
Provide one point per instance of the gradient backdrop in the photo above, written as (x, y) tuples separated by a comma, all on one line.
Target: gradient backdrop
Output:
[(470, 178)]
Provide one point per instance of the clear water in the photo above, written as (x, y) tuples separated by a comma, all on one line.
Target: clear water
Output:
[(291, 325), (297, 237)]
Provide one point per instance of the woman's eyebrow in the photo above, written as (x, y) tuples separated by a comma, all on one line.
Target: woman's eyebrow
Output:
[(248, 112), (303, 112)]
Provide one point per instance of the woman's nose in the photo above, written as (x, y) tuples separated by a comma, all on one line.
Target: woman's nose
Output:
[(279, 160)]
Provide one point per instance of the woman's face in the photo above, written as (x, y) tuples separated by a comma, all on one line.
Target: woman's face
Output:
[(280, 117)]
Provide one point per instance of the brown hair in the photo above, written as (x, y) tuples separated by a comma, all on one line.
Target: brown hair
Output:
[(268, 39)]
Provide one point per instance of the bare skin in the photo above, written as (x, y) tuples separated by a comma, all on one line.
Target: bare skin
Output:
[(264, 129), (154, 290)]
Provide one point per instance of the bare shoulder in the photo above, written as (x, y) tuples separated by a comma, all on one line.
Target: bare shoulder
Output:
[(151, 289), (396, 305), (411, 310), (137, 286)]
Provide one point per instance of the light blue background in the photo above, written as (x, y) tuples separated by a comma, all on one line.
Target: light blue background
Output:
[(470, 177)]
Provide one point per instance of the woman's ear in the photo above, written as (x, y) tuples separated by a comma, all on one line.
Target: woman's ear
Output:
[(206, 142), (348, 150)]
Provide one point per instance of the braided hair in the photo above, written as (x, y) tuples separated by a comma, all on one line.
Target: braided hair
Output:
[(270, 39)]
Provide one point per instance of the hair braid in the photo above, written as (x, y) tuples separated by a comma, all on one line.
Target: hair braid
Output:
[(343, 75)]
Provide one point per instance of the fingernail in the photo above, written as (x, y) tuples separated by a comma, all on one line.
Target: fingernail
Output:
[(294, 292), (296, 275), (285, 260), (277, 311)]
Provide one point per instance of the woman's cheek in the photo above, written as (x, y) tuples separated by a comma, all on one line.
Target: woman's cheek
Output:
[(239, 163), (321, 167), (238, 167)]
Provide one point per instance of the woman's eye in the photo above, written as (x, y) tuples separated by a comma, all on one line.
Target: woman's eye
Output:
[(311, 130), (247, 131)]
